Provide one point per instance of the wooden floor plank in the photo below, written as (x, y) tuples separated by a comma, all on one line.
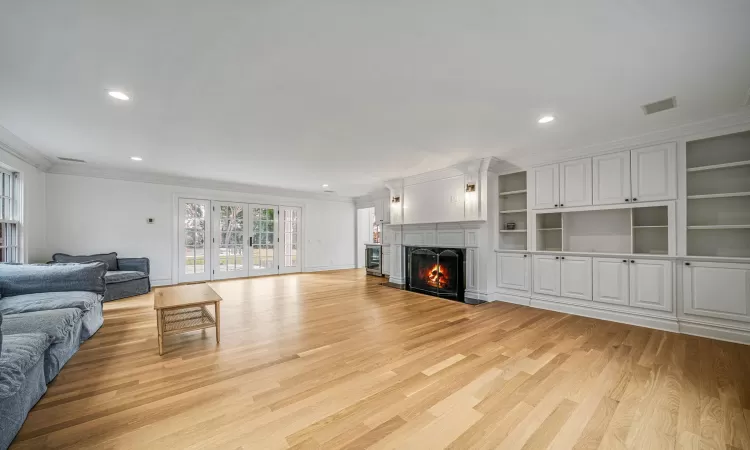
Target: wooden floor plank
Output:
[(337, 360)]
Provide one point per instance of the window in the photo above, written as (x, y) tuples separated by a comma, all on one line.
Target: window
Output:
[(9, 246)]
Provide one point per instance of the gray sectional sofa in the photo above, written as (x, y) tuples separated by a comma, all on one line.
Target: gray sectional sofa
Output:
[(125, 277), (46, 312)]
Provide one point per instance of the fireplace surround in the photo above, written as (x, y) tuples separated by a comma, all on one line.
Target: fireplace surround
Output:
[(436, 271)]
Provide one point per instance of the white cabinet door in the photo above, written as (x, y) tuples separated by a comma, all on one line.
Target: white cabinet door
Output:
[(513, 270), (386, 261), (575, 277), (612, 281), (379, 210), (575, 183), (718, 290), (547, 274), (546, 186), (651, 284), (654, 173), (611, 174), (386, 210)]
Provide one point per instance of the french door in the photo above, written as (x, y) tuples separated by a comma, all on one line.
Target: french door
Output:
[(220, 240), (193, 249)]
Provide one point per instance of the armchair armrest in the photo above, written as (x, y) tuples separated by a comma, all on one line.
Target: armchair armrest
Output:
[(19, 279), (135, 264)]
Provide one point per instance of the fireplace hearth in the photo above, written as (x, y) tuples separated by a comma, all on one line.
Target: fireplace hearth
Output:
[(436, 271)]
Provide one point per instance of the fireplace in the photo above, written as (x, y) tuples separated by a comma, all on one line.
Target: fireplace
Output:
[(436, 271)]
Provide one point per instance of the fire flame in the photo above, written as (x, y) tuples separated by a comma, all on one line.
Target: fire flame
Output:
[(436, 276)]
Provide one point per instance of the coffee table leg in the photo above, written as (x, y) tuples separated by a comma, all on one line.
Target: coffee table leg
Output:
[(217, 313), (159, 325)]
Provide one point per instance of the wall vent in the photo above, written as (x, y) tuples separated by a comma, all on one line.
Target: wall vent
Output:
[(73, 160), (661, 105)]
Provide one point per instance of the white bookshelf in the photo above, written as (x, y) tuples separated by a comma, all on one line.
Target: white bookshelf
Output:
[(512, 209), (636, 230), (718, 196)]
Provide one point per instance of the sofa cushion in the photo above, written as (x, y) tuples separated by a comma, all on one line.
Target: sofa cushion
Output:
[(20, 352), (110, 259), (20, 279), (123, 275), (82, 300), (55, 323)]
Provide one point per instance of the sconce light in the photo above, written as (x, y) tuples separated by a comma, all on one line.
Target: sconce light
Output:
[(471, 187), (396, 200)]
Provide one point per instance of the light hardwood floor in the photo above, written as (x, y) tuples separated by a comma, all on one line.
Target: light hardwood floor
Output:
[(334, 360)]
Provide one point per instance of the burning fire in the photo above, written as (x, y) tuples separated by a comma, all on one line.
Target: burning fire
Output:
[(436, 276)]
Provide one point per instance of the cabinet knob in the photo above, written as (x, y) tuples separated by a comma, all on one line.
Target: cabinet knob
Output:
[(561, 204), (627, 199), (632, 262), (562, 257), (687, 264), (624, 260), (525, 256), (555, 206), (557, 257), (635, 199)]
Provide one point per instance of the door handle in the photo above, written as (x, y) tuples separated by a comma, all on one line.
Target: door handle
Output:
[(250, 241)]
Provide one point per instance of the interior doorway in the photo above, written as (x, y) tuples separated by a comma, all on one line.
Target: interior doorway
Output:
[(365, 220)]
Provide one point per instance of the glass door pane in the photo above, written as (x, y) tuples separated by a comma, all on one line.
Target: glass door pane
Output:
[(194, 249), (230, 243), (264, 241), (290, 217)]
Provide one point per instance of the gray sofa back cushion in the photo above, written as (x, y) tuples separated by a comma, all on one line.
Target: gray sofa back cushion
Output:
[(19, 279), (110, 259)]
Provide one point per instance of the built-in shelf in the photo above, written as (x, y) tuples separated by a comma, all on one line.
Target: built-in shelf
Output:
[(724, 195), (507, 193), (650, 226), (512, 231), (719, 166), (513, 211), (718, 227)]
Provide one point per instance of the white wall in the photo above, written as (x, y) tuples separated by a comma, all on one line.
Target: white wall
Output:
[(89, 215), (34, 226)]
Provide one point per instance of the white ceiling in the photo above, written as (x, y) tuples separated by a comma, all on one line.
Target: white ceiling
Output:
[(350, 93)]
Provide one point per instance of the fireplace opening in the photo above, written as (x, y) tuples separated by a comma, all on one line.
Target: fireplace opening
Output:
[(436, 271)]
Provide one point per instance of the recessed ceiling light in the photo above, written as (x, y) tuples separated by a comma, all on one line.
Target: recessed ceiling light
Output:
[(118, 95), (325, 185), (136, 158), (546, 119)]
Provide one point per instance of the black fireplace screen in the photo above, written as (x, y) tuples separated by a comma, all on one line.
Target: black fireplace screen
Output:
[(436, 271)]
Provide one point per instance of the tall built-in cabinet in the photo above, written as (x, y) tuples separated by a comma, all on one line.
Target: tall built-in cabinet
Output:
[(656, 236)]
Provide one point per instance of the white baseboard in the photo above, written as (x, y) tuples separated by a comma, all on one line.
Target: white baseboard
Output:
[(476, 295), (737, 335), (508, 298), (613, 316), (326, 268), (161, 282)]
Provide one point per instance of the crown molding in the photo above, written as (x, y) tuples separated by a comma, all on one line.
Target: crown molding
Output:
[(109, 173), (15, 146), (696, 130)]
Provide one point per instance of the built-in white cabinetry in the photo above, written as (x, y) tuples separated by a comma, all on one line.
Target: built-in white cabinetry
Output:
[(654, 173), (611, 178), (513, 271), (612, 281), (575, 183), (383, 210), (575, 277), (651, 284), (546, 187), (547, 275), (386, 260), (719, 290), (642, 175)]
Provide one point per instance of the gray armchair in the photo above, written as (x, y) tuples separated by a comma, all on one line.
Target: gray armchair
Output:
[(126, 277)]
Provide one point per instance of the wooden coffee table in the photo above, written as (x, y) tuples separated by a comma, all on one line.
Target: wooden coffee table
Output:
[(180, 309)]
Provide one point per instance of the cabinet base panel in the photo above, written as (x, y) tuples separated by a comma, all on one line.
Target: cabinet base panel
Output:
[(508, 298)]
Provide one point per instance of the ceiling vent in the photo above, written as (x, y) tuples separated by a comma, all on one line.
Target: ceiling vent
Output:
[(328, 191), (73, 160), (661, 105)]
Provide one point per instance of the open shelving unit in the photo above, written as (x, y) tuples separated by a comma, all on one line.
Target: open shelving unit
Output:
[(718, 196), (640, 230), (513, 210)]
